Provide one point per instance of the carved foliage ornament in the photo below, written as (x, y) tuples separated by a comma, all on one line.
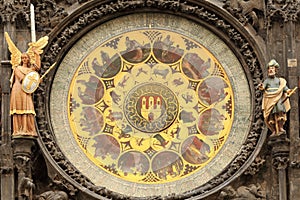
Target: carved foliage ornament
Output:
[(9, 10), (247, 11), (288, 10), (48, 14), (106, 9)]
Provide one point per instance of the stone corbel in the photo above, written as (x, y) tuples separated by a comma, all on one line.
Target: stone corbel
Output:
[(280, 151), (22, 152)]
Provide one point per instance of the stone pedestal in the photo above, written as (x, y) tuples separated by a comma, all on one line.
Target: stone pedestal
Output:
[(280, 161), (22, 153)]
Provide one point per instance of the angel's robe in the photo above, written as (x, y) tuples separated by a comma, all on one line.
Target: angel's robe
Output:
[(21, 105)]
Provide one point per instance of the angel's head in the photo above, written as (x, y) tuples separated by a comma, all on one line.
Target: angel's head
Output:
[(25, 59)]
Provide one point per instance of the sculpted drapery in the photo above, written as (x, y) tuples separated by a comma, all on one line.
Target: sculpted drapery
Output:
[(275, 103), (21, 103), (274, 99)]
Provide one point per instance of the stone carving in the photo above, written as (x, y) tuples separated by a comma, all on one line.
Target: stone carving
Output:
[(288, 10), (280, 151), (60, 182), (251, 192), (25, 189), (22, 153), (245, 11), (5, 170), (9, 10), (255, 166), (48, 14), (295, 164), (280, 162), (22, 164), (25, 184), (49, 195)]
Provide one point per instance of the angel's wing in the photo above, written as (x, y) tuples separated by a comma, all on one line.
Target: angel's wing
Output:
[(15, 52), (38, 47)]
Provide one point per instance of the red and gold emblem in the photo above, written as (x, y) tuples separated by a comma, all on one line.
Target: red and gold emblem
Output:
[(151, 107)]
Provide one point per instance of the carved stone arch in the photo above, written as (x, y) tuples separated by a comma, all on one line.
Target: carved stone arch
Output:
[(241, 40)]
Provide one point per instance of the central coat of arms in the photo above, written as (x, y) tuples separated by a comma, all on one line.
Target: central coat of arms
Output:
[(151, 107)]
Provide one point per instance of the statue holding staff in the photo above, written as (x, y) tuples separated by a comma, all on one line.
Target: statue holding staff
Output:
[(275, 102)]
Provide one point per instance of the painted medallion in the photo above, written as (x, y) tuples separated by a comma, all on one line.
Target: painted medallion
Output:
[(150, 106)]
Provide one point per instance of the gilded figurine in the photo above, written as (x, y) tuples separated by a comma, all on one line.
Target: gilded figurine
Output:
[(24, 80), (275, 102)]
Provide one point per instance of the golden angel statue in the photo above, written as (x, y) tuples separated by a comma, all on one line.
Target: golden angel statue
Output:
[(24, 80)]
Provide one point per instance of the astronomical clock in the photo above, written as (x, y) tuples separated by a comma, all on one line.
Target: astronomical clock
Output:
[(149, 104)]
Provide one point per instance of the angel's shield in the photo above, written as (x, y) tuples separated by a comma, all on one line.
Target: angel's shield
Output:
[(31, 82)]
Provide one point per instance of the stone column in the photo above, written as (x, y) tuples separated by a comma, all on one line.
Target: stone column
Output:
[(6, 155), (280, 161), (22, 148)]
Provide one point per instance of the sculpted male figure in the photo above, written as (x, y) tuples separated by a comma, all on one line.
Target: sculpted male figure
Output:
[(275, 102)]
